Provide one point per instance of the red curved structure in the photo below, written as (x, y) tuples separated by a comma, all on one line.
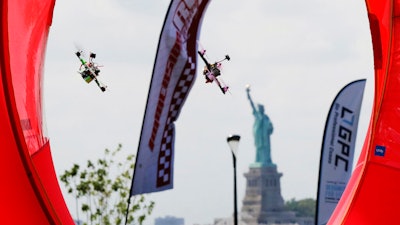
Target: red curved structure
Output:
[(372, 195), (30, 193)]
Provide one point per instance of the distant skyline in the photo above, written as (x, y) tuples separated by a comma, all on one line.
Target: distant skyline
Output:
[(169, 220), (295, 60)]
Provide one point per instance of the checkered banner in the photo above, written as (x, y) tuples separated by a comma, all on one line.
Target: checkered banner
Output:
[(337, 151), (173, 76)]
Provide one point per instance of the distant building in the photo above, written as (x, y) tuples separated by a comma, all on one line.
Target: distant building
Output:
[(169, 220)]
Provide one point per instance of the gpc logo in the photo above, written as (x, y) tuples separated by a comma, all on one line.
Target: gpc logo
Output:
[(380, 150)]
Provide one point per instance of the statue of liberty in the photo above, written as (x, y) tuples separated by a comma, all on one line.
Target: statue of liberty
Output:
[(262, 129)]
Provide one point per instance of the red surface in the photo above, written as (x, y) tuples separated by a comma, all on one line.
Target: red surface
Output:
[(373, 193), (29, 189)]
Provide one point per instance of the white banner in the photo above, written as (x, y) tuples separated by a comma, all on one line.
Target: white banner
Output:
[(337, 151), (173, 76)]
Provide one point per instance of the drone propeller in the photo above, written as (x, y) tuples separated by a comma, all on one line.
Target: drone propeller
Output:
[(78, 47), (82, 51), (79, 50), (201, 49)]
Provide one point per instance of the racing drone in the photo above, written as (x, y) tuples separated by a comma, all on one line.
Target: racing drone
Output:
[(90, 70), (211, 72)]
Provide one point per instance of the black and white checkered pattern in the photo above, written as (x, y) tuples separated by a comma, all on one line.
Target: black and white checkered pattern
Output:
[(164, 169)]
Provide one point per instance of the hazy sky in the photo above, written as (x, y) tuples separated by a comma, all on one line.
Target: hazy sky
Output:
[(296, 55)]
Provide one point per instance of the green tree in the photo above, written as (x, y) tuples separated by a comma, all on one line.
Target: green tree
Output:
[(101, 190), (304, 207)]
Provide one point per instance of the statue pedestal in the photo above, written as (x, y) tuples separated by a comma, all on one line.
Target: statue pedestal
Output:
[(263, 199)]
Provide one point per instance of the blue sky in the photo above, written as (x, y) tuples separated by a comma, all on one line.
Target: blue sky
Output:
[(296, 55)]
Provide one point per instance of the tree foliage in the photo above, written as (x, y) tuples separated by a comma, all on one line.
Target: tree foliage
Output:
[(101, 190), (304, 207)]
